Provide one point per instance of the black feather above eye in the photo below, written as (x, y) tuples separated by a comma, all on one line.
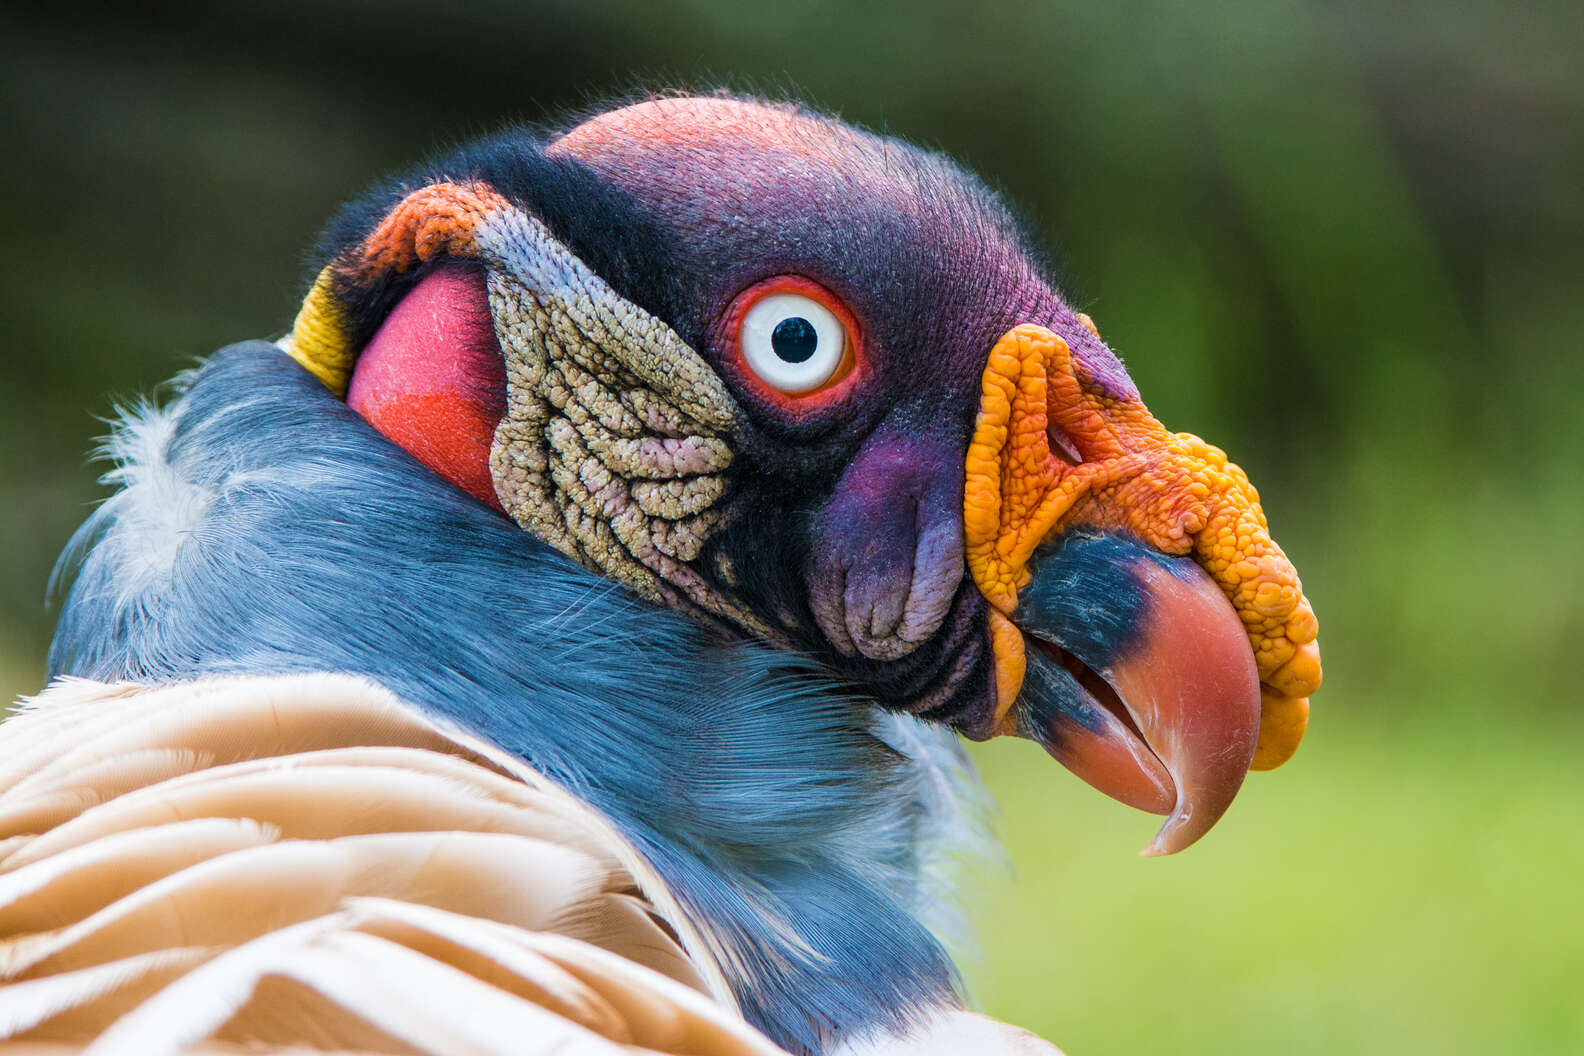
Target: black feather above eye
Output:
[(794, 339)]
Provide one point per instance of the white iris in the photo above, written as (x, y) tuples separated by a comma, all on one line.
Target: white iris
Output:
[(774, 338)]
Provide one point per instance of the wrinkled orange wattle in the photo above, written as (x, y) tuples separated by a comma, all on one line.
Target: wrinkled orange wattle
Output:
[(1170, 490)]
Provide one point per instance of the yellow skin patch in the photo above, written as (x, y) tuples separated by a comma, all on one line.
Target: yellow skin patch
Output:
[(1170, 490), (319, 339)]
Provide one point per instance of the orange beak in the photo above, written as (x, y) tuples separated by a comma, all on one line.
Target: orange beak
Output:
[(1145, 627)]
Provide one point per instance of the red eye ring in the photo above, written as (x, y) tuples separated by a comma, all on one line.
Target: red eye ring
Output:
[(847, 373)]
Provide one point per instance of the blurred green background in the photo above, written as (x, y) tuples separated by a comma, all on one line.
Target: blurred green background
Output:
[(1341, 240)]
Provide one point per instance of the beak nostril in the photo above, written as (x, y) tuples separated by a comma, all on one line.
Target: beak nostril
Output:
[(1061, 445)]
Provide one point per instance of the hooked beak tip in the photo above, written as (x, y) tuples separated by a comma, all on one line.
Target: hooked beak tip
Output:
[(1162, 711)]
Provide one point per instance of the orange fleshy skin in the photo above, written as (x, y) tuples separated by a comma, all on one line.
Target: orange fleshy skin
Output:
[(1170, 490), (1011, 662), (440, 218), (434, 220)]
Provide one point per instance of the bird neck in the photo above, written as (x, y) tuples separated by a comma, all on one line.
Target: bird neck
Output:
[(262, 527)]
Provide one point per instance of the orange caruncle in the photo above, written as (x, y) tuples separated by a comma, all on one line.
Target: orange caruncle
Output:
[(1172, 491)]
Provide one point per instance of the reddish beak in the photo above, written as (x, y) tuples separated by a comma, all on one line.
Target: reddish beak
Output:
[(1147, 672), (1140, 681)]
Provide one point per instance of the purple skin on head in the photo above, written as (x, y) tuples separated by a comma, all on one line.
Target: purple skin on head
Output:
[(934, 270)]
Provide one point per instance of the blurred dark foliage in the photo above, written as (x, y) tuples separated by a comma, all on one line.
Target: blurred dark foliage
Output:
[(1340, 240)]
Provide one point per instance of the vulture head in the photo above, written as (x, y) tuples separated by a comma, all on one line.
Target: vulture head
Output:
[(827, 445), (810, 386)]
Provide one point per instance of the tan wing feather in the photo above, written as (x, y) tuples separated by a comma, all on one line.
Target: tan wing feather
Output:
[(82, 1003), (308, 864), (63, 889)]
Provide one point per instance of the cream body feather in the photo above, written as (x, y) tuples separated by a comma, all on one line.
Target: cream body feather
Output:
[(308, 864)]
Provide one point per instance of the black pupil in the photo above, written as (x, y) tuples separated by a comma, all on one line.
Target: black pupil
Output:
[(794, 339)]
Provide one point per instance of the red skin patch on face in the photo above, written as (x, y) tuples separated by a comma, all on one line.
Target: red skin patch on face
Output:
[(432, 379)]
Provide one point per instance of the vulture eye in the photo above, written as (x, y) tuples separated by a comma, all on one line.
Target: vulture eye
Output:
[(793, 336), (792, 342)]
